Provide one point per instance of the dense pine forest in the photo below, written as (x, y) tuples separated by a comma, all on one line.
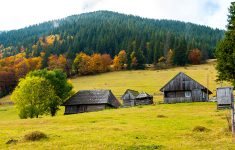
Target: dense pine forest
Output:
[(102, 41), (110, 32)]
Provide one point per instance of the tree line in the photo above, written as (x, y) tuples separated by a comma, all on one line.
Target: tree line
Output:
[(13, 68)]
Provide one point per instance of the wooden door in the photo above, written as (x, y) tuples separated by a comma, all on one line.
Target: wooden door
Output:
[(196, 95)]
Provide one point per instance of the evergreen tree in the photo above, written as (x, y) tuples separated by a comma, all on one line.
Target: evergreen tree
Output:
[(225, 51), (180, 54), (140, 59)]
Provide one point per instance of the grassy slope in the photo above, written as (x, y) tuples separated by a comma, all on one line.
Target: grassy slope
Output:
[(127, 128)]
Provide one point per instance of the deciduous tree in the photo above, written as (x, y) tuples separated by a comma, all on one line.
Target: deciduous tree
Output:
[(195, 56), (60, 84), (32, 97)]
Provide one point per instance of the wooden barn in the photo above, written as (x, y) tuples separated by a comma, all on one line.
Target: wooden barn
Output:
[(183, 88), (144, 99), (129, 97), (90, 100), (133, 98)]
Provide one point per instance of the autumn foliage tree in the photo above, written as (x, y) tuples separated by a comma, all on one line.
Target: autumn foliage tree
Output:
[(106, 62), (21, 67), (169, 57), (96, 63), (116, 63), (195, 56), (82, 64), (55, 62), (120, 60), (7, 81)]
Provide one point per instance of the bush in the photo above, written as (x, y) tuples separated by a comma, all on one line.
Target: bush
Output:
[(12, 141), (200, 129), (161, 116), (35, 136)]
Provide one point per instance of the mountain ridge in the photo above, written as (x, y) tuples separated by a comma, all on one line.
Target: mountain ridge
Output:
[(109, 32)]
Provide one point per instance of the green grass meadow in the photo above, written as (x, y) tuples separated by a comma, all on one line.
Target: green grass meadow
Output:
[(158, 126)]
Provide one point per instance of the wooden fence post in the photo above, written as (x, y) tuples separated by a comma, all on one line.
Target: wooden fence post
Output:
[(232, 119)]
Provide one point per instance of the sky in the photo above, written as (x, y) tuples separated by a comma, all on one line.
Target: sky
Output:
[(15, 14)]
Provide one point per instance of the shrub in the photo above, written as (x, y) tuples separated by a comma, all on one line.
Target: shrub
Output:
[(35, 136), (12, 141), (200, 129), (161, 116)]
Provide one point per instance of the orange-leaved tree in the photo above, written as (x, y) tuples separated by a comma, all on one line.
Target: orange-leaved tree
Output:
[(195, 56)]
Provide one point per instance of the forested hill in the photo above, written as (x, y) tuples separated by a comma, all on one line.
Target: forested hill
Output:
[(110, 32)]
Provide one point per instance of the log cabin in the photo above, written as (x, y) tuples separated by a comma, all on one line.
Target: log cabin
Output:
[(183, 88), (90, 100)]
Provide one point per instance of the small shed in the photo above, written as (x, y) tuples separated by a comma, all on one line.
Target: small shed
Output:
[(132, 98), (90, 100), (129, 97), (144, 99), (224, 96), (183, 88)]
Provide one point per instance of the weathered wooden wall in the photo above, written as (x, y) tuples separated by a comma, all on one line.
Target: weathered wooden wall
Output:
[(224, 96), (144, 101), (74, 109), (128, 102), (177, 100)]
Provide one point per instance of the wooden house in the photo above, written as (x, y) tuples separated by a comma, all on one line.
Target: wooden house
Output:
[(129, 97), (133, 98), (224, 96), (144, 99), (90, 100), (183, 88)]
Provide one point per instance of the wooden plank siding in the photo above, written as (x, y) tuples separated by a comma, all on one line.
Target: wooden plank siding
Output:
[(83, 108), (177, 100)]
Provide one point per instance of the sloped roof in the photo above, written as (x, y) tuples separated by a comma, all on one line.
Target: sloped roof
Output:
[(84, 97), (131, 94), (176, 84), (143, 95)]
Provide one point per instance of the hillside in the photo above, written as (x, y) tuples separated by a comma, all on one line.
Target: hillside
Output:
[(164, 126), (110, 32)]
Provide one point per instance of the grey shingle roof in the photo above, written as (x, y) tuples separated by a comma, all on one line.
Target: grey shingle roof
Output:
[(131, 94), (93, 97), (143, 95)]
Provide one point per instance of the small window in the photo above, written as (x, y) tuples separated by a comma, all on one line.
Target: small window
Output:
[(187, 94)]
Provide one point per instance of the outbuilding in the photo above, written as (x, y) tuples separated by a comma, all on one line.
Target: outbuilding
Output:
[(224, 96), (132, 98), (183, 88), (90, 100), (144, 99), (129, 97)]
